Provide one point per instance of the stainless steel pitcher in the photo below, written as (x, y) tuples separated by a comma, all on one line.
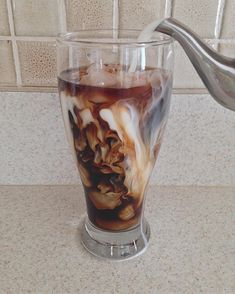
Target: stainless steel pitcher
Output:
[(216, 71)]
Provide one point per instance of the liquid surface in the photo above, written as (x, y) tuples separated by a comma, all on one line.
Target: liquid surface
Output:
[(115, 121)]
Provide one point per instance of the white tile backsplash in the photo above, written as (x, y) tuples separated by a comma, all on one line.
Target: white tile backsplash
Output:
[(200, 15), (35, 18), (40, 21), (38, 63), (198, 148), (4, 25)]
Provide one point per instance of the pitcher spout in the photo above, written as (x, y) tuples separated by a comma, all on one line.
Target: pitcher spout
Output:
[(216, 71)]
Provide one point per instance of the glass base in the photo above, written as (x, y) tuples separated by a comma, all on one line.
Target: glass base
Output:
[(116, 246)]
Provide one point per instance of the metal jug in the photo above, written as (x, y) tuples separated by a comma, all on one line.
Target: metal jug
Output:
[(216, 71)]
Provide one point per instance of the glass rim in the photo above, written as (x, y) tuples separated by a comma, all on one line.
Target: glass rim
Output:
[(72, 38)]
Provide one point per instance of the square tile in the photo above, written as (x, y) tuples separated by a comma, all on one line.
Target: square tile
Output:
[(7, 67), (227, 49), (4, 25), (200, 15), (89, 14), (35, 18), (228, 27), (38, 63), (185, 76), (137, 14)]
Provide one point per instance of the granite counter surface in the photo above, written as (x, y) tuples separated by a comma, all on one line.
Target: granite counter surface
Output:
[(192, 247)]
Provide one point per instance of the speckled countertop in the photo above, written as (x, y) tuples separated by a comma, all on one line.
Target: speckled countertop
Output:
[(192, 248)]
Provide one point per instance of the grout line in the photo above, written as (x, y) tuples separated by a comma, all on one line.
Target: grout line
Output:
[(219, 18), (62, 16), (5, 38), (28, 38), (63, 26), (168, 8), (167, 13), (14, 44), (115, 25), (224, 41), (218, 21)]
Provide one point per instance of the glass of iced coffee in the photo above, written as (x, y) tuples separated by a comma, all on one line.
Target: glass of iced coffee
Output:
[(115, 96)]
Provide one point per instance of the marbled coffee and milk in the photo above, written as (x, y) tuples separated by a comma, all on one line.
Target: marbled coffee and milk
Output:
[(115, 120)]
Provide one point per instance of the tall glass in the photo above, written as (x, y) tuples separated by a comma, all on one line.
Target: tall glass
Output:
[(115, 98)]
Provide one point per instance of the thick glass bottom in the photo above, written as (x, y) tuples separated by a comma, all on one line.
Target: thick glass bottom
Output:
[(116, 246)]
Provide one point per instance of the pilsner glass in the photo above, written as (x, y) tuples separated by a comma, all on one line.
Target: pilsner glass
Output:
[(115, 96)]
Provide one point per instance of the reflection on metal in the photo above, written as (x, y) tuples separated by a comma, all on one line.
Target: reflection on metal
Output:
[(216, 71)]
